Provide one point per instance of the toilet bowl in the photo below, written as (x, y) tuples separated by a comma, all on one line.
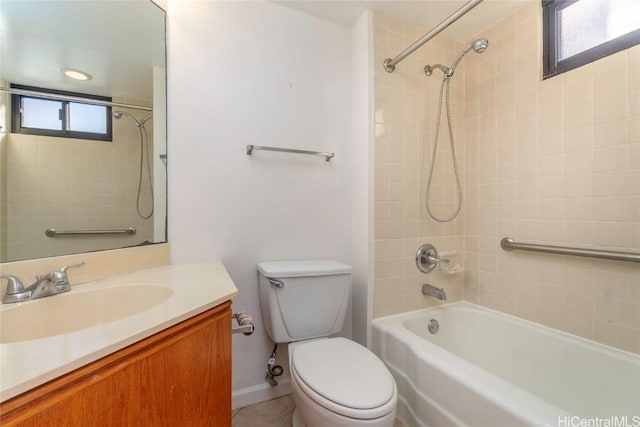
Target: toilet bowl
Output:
[(335, 382)]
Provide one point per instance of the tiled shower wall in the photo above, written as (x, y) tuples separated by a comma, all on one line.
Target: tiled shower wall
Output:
[(556, 162), (73, 184), (405, 104), (553, 161)]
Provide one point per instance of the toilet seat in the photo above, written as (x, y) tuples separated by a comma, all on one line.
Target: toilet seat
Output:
[(343, 377)]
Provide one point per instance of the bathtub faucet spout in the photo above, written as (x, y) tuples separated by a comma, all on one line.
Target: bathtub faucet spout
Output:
[(432, 291)]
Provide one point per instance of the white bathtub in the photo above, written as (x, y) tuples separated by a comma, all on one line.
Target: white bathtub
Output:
[(488, 369)]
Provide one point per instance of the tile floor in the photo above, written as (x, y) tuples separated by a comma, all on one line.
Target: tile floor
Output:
[(273, 413)]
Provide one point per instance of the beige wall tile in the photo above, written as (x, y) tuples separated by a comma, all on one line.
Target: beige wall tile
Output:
[(553, 161), (612, 334), (612, 133), (74, 184), (566, 175), (579, 324), (405, 109)]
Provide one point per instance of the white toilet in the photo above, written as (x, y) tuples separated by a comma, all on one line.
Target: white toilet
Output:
[(335, 381)]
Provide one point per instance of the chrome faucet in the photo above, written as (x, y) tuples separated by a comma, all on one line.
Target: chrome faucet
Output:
[(432, 291), (53, 283)]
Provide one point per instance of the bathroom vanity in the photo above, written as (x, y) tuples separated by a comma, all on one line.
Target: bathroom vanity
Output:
[(167, 364)]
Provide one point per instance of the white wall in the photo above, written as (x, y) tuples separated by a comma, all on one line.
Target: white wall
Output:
[(4, 123), (256, 73), (362, 178)]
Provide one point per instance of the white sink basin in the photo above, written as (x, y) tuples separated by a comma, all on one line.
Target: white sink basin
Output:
[(68, 312)]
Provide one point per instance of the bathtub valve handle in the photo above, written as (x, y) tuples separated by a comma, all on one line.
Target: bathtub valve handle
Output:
[(435, 260), (427, 258)]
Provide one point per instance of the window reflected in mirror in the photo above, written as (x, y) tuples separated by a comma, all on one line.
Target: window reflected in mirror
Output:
[(83, 127)]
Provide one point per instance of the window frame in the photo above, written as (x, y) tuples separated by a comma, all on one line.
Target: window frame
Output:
[(16, 115), (551, 65)]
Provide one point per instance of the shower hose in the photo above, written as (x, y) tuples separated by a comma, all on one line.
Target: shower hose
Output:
[(144, 141), (444, 89)]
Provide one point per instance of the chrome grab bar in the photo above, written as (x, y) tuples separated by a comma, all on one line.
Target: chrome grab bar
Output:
[(52, 232), (508, 244), (327, 155)]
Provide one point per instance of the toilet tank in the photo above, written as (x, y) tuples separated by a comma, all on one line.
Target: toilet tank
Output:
[(303, 299)]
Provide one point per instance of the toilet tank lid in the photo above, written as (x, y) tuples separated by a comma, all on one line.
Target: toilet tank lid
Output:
[(303, 268)]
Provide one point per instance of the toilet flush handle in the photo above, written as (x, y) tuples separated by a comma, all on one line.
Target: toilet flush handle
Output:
[(276, 282)]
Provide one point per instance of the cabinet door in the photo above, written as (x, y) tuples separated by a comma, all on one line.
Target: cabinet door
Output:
[(178, 377)]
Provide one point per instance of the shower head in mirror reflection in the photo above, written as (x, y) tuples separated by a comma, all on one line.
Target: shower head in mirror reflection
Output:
[(118, 115), (144, 147)]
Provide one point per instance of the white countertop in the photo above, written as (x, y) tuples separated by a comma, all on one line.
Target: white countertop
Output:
[(195, 288)]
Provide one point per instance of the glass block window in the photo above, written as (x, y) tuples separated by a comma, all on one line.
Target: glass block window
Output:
[(577, 32), (63, 118)]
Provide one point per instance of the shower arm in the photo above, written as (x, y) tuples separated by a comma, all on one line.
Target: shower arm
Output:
[(428, 69), (478, 45)]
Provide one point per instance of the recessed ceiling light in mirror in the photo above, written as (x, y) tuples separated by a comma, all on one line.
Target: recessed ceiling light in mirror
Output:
[(76, 74)]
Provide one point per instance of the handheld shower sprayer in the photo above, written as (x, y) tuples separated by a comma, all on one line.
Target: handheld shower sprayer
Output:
[(478, 46)]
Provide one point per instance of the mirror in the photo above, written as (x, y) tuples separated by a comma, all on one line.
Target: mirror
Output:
[(95, 194)]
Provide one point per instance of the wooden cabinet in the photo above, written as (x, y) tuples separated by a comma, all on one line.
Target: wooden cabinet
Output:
[(178, 377)]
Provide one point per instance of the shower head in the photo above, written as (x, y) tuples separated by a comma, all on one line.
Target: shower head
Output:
[(478, 46)]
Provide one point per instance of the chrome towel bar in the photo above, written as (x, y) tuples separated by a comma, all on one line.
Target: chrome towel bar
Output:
[(327, 156), (52, 232), (508, 244)]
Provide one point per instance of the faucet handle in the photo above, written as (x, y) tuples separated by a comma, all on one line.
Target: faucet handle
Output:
[(64, 269), (60, 277), (435, 260), (14, 285)]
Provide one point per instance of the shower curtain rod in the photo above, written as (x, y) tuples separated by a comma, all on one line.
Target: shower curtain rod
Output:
[(390, 64), (15, 91)]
